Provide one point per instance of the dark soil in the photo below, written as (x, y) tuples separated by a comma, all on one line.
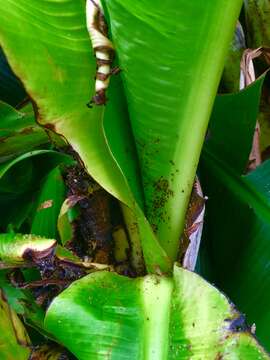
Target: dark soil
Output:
[(93, 228)]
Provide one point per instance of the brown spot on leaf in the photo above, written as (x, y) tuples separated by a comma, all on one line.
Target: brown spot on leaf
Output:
[(45, 205), (50, 126), (27, 131)]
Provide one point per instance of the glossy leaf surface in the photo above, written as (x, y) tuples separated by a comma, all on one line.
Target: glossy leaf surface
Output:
[(50, 199), (20, 179), (105, 315), (23, 303), (237, 235), (67, 215), (61, 81), (171, 66), (18, 131)]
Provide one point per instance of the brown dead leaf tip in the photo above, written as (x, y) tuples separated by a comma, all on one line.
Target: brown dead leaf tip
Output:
[(35, 255)]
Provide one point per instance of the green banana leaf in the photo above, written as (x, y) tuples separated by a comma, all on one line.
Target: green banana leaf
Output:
[(67, 215), (63, 109), (23, 303), (17, 250), (50, 199), (171, 54), (60, 80), (108, 316), (19, 181), (14, 341), (54, 158), (18, 131), (237, 229)]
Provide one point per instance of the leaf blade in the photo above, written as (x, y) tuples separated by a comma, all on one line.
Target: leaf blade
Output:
[(172, 44), (60, 81), (112, 316), (237, 236)]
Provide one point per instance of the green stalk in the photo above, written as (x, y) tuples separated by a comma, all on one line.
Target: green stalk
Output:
[(136, 254)]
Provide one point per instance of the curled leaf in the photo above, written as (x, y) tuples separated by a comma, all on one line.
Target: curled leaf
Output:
[(66, 216), (14, 341), (18, 249)]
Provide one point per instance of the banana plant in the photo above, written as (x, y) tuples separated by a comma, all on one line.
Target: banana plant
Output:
[(139, 134)]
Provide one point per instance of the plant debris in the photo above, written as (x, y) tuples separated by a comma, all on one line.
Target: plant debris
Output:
[(191, 238), (93, 229)]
